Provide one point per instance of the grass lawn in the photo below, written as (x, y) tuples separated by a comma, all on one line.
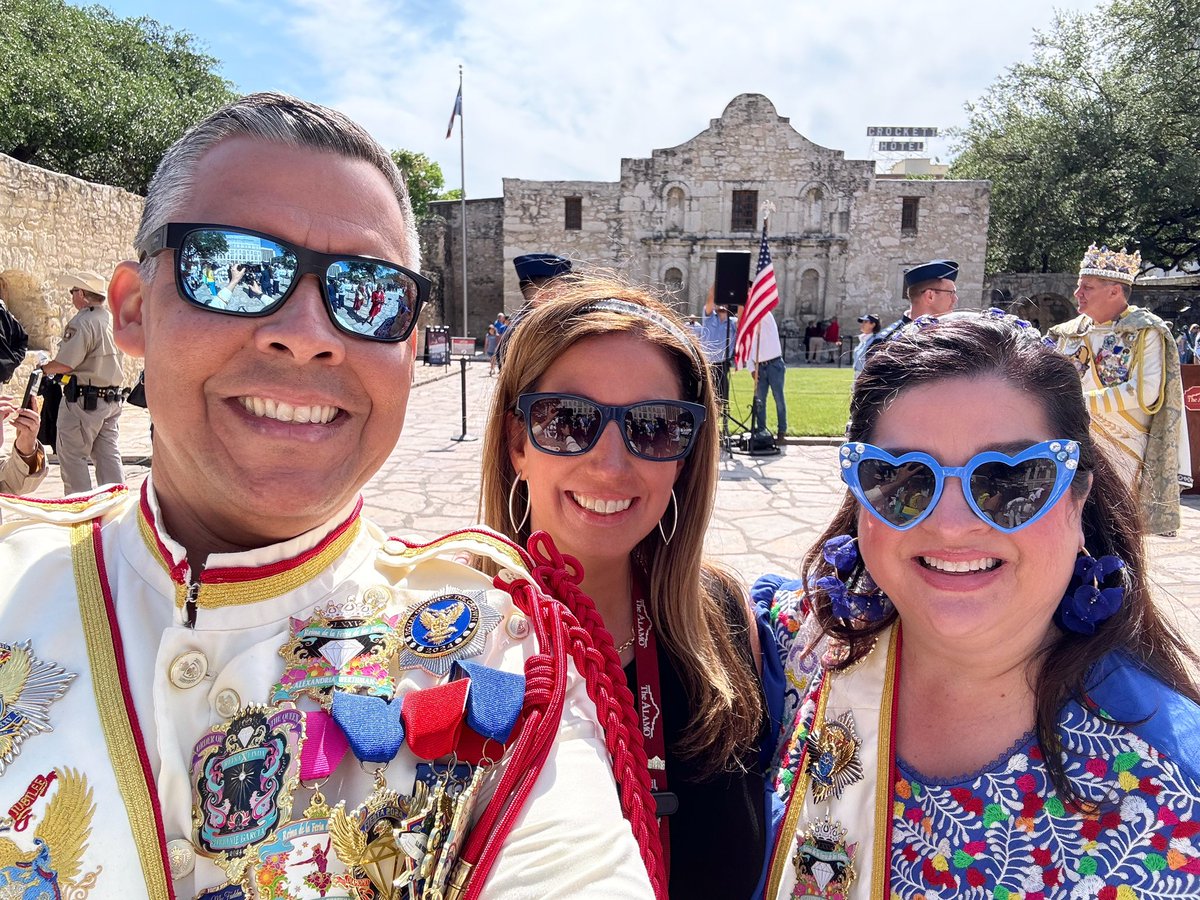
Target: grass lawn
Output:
[(818, 400)]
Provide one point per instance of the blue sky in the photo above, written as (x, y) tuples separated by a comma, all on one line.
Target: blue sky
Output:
[(564, 91)]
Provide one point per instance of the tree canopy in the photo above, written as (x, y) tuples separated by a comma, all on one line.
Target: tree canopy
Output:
[(1096, 139), (424, 179), (88, 94)]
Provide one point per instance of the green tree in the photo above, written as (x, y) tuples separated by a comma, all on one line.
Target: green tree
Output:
[(424, 178), (1096, 139), (88, 94)]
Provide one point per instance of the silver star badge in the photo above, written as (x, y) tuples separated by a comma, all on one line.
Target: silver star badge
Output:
[(444, 629)]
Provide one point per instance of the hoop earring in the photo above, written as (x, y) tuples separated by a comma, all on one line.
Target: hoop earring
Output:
[(674, 520), (512, 517)]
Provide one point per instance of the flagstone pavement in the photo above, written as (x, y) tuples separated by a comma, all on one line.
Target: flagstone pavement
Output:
[(768, 511)]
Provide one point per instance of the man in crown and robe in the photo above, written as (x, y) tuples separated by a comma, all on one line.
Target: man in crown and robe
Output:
[(1130, 370)]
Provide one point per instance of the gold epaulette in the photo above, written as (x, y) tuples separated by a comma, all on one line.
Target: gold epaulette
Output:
[(67, 510), (478, 541)]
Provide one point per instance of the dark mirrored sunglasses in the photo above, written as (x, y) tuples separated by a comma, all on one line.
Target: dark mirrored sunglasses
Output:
[(1006, 492), (237, 272), (567, 425)]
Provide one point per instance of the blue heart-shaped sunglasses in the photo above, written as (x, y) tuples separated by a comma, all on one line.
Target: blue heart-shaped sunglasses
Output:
[(1007, 492)]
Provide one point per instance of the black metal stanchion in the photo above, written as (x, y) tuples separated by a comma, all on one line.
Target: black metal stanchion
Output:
[(464, 436)]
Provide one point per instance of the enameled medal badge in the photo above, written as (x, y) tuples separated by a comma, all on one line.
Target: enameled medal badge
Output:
[(244, 772), (346, 647), (443, 629), (27, 688)]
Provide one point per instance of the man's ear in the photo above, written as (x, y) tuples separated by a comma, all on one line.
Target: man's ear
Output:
[(125, 294)]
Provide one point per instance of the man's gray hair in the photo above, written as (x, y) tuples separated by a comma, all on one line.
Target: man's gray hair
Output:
[(274, 117)]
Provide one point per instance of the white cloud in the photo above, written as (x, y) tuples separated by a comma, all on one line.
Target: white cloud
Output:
[(565, 90)]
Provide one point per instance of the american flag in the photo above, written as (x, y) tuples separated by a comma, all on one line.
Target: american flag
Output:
[(764, 297), (457, 111)]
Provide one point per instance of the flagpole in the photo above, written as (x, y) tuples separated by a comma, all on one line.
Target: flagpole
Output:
[(462, 182)]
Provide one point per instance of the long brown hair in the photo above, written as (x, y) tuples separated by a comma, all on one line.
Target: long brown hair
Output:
[(974, 346), (688, 595)]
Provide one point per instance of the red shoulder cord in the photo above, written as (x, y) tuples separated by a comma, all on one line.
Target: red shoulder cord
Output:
[(572, 624)]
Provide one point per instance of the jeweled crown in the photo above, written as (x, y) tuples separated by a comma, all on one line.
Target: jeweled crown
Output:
[(827, 830), (1116, 265)]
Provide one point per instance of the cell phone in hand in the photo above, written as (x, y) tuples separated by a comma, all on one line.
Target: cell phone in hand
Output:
[(31, 389)]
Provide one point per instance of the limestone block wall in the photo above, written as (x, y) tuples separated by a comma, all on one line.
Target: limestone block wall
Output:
[(485, 258), (50, 224), (952, 223), (534, 221)]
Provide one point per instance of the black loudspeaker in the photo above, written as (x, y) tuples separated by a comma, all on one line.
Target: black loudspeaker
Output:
[(733, 277)]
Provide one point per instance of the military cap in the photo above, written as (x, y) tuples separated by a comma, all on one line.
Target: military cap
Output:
[(540, 266), (870, 317), (931, 271)]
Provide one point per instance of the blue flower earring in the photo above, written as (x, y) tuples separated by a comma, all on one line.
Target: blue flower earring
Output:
[(868, 603), (1094, 594)]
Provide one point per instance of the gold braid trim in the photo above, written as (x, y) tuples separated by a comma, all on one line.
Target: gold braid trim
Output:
[(114, 718), (884, 786), (397, 548), (796, 800), (238, 593)]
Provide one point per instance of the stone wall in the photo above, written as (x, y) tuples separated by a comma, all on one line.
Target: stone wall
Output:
[(951, 223), (1042, 297), (51, 224), (485, 255)]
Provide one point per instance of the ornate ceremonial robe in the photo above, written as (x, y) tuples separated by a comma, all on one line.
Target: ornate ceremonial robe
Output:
[(1131, 382), (106, 691)]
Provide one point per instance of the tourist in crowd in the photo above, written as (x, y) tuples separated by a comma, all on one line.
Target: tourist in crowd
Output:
[(868, 334), (631, 504), (978, 663)]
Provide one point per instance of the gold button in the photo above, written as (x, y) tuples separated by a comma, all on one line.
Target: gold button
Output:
[(517, 626), (228, 703), (188, 669), (182, 857)]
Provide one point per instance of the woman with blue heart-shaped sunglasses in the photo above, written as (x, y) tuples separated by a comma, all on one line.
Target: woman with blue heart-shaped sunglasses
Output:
[(984, 700)]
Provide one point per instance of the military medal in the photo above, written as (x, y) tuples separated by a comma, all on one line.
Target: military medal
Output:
[(824, 862), (300, 864), (833, 761), (27, 688), (245, 772), (346, 646), (366, 841), (52, 866), (443, 629), (460, 822)]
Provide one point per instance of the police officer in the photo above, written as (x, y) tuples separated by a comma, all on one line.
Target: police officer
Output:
[(930, 290), (89, 415)]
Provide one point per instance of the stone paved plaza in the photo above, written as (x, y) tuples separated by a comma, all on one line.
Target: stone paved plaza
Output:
[(769, 509)]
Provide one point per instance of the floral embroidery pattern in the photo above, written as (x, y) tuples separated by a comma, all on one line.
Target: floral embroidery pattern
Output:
[(1004, 834)]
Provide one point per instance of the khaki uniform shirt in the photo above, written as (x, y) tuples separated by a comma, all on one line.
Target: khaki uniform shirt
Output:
[(88, 348)]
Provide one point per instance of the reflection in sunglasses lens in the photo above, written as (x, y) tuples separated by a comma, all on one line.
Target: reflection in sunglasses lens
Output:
[(370, 298), (1012, 495), (898, 493), (253, 272), (572, 425), (366, 298)]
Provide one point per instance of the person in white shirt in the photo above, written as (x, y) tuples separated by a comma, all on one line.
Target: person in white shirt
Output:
[(766, 358)]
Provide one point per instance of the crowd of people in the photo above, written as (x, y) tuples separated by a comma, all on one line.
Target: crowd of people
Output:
[(965, 687)]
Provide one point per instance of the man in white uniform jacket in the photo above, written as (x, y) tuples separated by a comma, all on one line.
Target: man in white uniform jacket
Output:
[(172, 660)]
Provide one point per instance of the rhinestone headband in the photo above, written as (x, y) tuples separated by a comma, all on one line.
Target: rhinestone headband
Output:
[(612, 304)]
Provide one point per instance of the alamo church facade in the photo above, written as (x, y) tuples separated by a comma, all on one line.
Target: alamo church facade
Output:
[(841, 236)]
